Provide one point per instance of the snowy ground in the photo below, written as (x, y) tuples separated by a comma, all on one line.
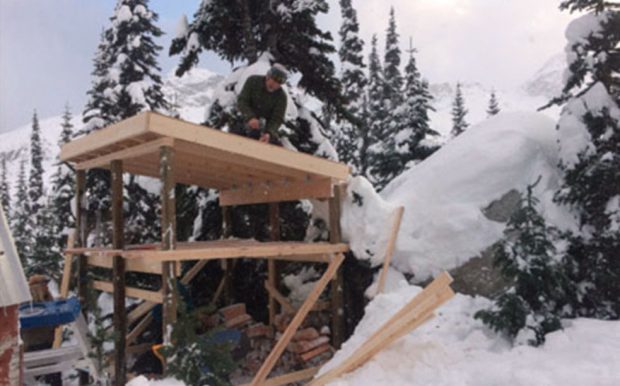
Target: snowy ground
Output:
[(455, 349)]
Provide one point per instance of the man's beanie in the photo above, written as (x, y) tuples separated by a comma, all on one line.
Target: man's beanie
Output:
[(278, 73)]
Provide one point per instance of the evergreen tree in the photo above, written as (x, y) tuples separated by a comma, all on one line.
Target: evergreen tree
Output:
[(353, 134), (591, 165), (36, 199), (411, 140), (5, 197), (63, 189), (458, 112), (527, 257), (391, 67), (378, 168), (126, 81), (41, 256), (493, 105), (21, 223), (285, 29)]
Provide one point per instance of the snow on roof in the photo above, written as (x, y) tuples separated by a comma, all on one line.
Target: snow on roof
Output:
[(13, 285)]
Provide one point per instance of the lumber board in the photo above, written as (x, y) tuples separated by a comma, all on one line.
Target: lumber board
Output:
[(130, 265), (274, 293), (389, 251), (289, 378), (336, 292), (152, 296), (123, 130), (413, 314), (286, 337), (238, 147), (139, 311), (167, 167), (138, 329), (126, 153), (294, 251), (272, 192)]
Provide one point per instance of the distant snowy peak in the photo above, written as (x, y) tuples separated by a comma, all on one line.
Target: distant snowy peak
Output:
[(193, 91), (548, 80)]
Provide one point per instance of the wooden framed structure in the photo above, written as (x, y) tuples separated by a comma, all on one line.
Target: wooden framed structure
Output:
[(244, 171)]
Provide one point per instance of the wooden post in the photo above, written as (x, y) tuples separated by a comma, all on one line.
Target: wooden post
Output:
[(389, 250), (118, 276), (305, 308), (169, 239), (272, 274), (335, 236), (80, 226), (227, 265)]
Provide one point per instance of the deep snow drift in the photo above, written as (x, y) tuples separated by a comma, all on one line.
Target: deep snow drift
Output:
[(444, 196)]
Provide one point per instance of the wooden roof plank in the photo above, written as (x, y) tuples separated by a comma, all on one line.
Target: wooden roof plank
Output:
[(126, 129), (238, 146)]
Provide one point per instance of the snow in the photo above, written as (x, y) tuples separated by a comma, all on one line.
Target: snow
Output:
[(365, 221), (572, 131), (454, 349), (143, 381), (443, 225)]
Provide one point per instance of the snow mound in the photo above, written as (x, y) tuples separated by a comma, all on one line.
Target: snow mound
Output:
[(454, 349), (443, 225)]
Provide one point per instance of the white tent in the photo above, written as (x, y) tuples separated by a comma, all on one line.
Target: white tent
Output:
[(13, 285)]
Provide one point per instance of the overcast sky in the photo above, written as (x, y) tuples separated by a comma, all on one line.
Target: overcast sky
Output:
[(47, 46)]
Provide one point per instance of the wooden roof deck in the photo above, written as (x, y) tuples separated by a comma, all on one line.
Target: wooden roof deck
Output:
[(244, 170)]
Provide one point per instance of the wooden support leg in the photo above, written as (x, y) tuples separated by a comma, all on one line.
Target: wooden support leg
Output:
[(286, 337), (118, 276), (337, 303), (272, 274), (168, 228)]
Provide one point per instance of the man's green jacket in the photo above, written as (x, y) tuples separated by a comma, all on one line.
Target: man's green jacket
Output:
[(256, 102)]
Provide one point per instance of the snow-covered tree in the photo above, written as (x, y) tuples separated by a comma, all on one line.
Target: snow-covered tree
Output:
[(353, 134), (21, 223), (381, 156), (5, 197), (126, 81), (245, 29), (459, 112), (391, 65), (493, 105), (412, 140), (534, 304), (36, 199), (63, 189), (589, 140)]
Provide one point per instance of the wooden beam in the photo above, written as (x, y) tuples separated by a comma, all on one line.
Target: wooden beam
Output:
[(139, 329), (276, 295), (410, 316), (389, 251), (80, 223), (277, 192), (152, 296), (130, 265), (139, 311), (238, 147), (290, 378), (336, 295), (126, 153), (123, 130), (286, 337), (293, 251), (169, 239), (272, 270), (118, 275)]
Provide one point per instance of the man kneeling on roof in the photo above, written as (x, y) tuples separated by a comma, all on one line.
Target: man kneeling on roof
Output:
[(262, 103)]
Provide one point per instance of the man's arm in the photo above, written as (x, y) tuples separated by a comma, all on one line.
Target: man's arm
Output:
[(277, 117), (243, 102)]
